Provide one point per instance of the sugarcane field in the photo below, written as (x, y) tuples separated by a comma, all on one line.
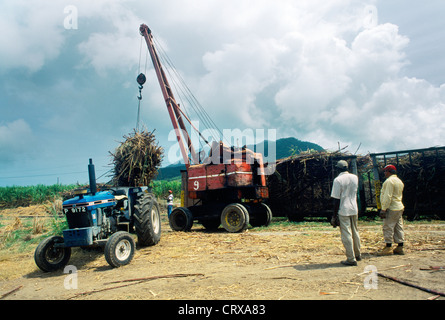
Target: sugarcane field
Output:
[(224, 158)]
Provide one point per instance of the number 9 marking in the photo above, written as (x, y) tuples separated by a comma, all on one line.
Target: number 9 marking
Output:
[(196, 185)]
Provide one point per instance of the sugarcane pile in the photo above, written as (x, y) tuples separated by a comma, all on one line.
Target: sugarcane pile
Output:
[(423, 174), (136, 160), (301, 185)]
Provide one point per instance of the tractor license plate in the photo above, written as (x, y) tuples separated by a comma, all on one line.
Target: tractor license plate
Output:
[(75, 210)]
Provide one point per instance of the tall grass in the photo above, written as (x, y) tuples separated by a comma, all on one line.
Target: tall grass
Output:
[(16, 196), (22, 234), (160, 188)]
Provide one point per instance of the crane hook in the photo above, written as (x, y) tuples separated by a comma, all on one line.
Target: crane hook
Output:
[(141, 80)]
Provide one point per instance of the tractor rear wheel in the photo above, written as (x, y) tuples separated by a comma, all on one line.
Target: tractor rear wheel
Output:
[(49, 257), (147, 220), (235, 218), (119, 249), (181, 219)]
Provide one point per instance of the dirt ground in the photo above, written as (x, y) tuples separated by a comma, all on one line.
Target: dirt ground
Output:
[(281, 262)]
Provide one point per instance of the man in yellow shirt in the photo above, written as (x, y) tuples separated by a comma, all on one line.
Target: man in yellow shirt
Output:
[(392, 211)]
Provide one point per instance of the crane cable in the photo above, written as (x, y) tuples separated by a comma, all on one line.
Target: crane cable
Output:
[(141, 80), (184, 91)]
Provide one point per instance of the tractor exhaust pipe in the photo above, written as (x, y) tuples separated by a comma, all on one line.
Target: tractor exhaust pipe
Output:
[(92, 176)]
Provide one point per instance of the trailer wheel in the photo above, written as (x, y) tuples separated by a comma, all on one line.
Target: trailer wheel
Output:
[(261, 215), (147, 220), (48, 257), (181, 219), (235, 218), (119, 249), (211, 224)]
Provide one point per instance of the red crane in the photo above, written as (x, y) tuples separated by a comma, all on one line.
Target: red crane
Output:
[(228, 187)]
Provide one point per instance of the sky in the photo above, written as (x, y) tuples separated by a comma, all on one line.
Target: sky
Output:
[(365, 75)]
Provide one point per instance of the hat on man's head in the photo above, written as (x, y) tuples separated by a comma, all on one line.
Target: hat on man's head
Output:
[(390, 168), (342, 164)]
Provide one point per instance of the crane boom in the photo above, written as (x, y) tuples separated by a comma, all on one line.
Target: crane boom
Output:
[(174, 110)]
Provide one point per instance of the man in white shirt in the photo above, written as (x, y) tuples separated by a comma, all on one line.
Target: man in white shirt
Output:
[(344, 192), (392, 211), (169, 202)]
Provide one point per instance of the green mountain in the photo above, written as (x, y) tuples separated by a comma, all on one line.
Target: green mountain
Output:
[(172, 171), (283, 147), (286, 147)]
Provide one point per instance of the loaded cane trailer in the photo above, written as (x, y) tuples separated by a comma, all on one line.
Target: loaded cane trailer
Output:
[(301, 185), (423, 174)]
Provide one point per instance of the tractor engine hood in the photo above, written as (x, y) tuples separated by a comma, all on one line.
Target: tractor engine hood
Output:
[(90, 202)]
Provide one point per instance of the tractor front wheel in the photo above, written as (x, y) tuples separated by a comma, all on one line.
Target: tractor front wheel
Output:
[(50, 257), (119, 249)]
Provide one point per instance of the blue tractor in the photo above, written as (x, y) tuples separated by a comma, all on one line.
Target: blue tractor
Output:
[(105, 218)]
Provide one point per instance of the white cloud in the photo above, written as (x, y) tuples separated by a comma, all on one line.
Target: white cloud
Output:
[(32, 33), (405, 113), (237, 73), (327, 72), (16, 139), (117, 48)]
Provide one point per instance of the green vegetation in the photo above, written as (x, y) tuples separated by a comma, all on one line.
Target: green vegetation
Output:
[(16, 196), (160, 187)]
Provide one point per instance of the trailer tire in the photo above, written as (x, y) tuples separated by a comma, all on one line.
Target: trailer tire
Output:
[(211, 224), (50, 258), (181, 219), (261, 215), (235, 218), (147, 220), (119, 249)]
